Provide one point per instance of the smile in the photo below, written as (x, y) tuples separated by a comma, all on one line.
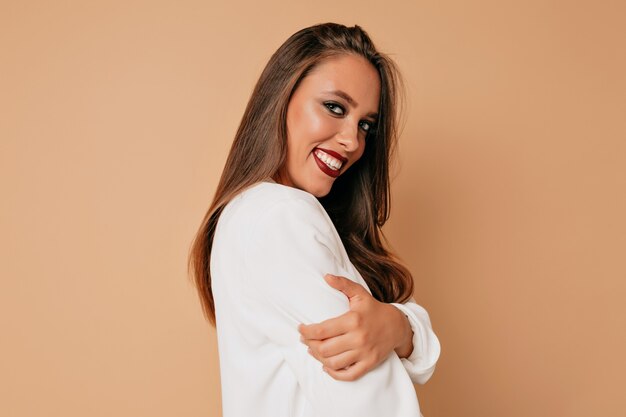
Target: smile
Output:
[(329, 164)]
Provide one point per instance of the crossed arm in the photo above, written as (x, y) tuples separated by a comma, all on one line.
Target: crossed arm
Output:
[(289, 250), (357, 341)]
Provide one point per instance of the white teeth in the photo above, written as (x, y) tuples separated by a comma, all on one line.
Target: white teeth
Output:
[(332, 163)]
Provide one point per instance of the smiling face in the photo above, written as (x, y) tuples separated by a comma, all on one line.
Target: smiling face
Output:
[(328, 118)]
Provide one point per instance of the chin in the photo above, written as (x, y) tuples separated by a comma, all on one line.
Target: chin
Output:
[(321, 194), (320, 190)]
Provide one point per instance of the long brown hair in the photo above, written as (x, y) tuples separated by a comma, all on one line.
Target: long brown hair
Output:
[(359, 200)]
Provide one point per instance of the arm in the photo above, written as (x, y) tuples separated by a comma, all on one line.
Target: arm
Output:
[(352, 344), (404, 348), (420, 364), (290, 250), (381, 329)]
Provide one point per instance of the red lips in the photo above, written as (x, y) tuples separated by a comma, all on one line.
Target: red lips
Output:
[(334, 154), (325, 168)]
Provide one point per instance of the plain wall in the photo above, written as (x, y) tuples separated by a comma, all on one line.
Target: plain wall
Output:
[(508, 200)]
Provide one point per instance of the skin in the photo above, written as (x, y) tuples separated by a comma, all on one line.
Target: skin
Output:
[(355, 342), (316, 118), (352, 344)]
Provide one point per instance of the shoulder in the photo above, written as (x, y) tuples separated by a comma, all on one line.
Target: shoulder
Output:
[(282, 227), (268, 193), (269, 216), (266, 205)]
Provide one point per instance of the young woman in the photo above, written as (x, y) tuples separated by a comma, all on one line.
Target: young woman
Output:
[(304, 193)]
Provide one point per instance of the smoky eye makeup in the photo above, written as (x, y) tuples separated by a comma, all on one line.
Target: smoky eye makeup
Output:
[(331, 106), (370, 126)]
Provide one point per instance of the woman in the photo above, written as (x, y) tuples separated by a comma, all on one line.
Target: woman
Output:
[(304, 193)]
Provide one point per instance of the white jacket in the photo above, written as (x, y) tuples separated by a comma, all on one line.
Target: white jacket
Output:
[(273, 244)]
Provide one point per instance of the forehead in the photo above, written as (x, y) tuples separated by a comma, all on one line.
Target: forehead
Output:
[(351, 74)]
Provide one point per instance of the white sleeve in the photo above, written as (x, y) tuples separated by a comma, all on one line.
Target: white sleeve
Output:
[(420, 364), (291, 248)]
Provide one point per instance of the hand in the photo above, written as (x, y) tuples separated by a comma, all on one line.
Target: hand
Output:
[(355, 342)]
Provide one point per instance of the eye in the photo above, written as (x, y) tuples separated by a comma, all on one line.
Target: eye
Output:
[(330, 105), (367, 126)]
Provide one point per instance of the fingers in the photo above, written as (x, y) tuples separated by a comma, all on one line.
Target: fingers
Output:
[(330, 347), (345, 285), (336, 362), (352, 373), (327, 328), (344, 366)]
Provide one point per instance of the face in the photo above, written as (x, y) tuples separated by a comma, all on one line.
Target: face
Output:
[(328, 118)]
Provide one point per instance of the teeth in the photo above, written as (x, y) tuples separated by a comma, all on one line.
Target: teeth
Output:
[(332, 163)]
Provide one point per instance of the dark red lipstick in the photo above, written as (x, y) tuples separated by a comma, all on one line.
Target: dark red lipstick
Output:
[(325, 168), (334, 154)]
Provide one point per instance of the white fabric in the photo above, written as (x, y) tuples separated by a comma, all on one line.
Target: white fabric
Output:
[(272, 246)]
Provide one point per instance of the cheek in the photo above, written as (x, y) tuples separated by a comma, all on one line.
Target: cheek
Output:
[(311, 123)]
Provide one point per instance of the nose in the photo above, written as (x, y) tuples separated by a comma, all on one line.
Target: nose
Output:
[(348, 137)]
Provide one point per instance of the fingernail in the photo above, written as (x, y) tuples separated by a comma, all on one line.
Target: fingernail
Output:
[(324, 368), (302, 339)]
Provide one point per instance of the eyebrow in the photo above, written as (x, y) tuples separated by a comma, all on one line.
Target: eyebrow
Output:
[(350, 100)]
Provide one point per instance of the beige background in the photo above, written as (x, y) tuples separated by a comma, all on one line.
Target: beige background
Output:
[(509, 200)]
